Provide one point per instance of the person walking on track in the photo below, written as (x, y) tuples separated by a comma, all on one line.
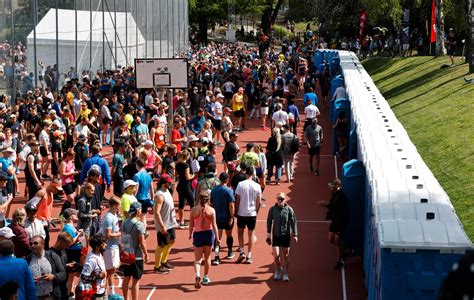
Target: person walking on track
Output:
[(314, 139), (203, 231), (248, 195), (281, 221)]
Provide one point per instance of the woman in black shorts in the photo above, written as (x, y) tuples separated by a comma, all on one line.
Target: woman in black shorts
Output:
[(203, 231), (183, 188)]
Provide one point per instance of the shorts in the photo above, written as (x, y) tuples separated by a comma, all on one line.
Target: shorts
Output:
[(43, 152), (451, 51), (259, 172), (165, 239), (217, 124), (225, 225), (106, 121), (281, 241), (307, 123), (239, 113), (112, 259), (203, 238), (147, 203), (54, 168), (74, 256), (248, 222), (10, 186), (118, 187), (185, 195), (228, 95), (264, 110), (314, 150), (69, 188), (134, 270)]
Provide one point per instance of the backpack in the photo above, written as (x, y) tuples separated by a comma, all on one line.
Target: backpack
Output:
[(295, 145), (127, 251)]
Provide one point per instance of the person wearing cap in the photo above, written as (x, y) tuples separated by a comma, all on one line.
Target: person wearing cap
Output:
[(45, 148), (33, 226), (82, 153), (21, 240), (130, 189), (43, 202), (84, 111), (227, 125), (15, 126), (73, 252), (145, 192), (6, 233), (16, 270), (238, 108), (314, 140), (133, 227), (165, 224), (8, 168), (281, 223)]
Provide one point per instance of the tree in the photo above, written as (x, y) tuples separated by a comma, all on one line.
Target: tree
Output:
[(203, 12), (270, 14)]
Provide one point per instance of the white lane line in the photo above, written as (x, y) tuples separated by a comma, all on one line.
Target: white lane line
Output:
[(343, 277), (335, 166), (151, 293)]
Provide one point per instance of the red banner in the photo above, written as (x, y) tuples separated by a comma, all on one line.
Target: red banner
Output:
[(362, 23), (433, 22)]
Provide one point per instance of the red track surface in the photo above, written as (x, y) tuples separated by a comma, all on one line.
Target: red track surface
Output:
[(311, 260)]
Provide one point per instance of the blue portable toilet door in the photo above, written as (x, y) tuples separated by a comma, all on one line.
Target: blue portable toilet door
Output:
[(338, 106)]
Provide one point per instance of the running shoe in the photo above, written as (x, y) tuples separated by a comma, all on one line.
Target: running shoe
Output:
[(205, 280), (197, 282), (183, 226), (249, 260), (216, 262), (167, 265), (162, 270), (230, 254), (241, 258), (317, 173), (285, 277), (277, 275)]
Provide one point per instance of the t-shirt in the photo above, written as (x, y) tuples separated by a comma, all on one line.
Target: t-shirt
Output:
[(94, 264), (280, 116), (250, 158), (134, 227), (169, 166), (69, 228), (118, 161), (111, 222), (237, 102), (174, 136), (140, 132), (311, 97), (181, 170), (248, 191), (221, 196), (311, 111), (127, 200), (144, 183), (216, 108)]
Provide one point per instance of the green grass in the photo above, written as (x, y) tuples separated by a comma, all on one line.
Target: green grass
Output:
[(436, 107)]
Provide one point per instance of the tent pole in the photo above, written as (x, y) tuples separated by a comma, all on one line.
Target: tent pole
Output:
[(57, 46), (159, 14), (12, 27), (168, 29), (126, 33), (103, 36), (75, 38), (35, 22), (153, 29), (115, 30), (146, 28), (136, 28), (174, 32), (90, 39)]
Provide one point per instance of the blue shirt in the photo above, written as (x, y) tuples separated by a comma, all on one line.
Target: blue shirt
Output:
[(294, 110), (140, 132), (68, 228), (144, 183), (111, 222), (96, 159), (16, 270), (310, 97), (196, 124), (6, 163), (221, 197)]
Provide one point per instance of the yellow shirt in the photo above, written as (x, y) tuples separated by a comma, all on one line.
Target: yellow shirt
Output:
[(84, 113), (127, 201), (129, 120), (70, 98), (237, 102)]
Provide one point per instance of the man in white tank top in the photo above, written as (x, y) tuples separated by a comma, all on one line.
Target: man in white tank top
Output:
[(165, 223)]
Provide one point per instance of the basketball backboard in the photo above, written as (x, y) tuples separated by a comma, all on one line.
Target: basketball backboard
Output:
[(170, 73)]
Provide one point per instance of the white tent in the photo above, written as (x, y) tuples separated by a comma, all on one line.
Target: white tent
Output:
[(130, 41)]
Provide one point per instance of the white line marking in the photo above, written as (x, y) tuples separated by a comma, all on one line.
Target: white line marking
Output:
[(305, 221), (343, 277), (151, 293), (335, 166)]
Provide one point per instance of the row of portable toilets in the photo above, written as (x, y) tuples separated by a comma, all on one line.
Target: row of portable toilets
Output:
[(401, 220)]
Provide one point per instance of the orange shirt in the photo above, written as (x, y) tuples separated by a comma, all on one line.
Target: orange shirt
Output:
[(45, 207)]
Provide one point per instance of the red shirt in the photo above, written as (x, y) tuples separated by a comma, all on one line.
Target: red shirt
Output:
[(175, 135)]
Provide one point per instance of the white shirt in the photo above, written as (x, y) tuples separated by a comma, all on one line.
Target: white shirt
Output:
[(280, 116), (148, 100), (80, 129), (311, 111), (44, 139), (340, 92), (217, 110), (248, 191), (95, 264)]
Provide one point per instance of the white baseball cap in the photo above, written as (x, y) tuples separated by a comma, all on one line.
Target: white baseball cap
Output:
[(6, 232), (128, 183)]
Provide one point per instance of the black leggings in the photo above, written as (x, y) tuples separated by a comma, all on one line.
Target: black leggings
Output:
[(185, 194)]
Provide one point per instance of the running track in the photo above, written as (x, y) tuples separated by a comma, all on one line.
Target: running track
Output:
[(311, 260)]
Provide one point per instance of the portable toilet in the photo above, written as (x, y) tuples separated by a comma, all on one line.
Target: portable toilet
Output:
[(335, 83), (318, 58), (353, 183), (353, 143)]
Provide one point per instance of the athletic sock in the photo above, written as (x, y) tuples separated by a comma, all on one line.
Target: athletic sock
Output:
[(216, 251), (241, 249), (198, 274), (249, 255), (112, 290), (230, 243)]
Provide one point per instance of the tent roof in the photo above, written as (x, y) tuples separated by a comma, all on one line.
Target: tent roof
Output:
[(46, 28)]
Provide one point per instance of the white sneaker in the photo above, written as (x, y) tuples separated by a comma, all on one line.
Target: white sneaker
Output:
[(285, 277), (277, 275)]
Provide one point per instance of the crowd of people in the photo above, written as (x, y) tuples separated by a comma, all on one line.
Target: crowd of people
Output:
[(57, 139)]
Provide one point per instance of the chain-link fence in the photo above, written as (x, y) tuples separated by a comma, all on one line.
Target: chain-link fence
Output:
[(72, 38)]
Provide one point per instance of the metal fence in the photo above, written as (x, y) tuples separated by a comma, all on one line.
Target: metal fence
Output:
[(72, 38)]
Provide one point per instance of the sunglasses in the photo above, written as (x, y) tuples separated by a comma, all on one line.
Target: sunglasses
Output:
[(34, 243), (281, 199)]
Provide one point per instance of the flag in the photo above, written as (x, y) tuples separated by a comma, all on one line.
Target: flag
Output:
[(433, 22), (362, 23)]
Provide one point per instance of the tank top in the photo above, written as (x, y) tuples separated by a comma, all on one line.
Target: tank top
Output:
[(37, 168), (202, 222), (167, 212), (159, 138), (150, 162), (69, 168)]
